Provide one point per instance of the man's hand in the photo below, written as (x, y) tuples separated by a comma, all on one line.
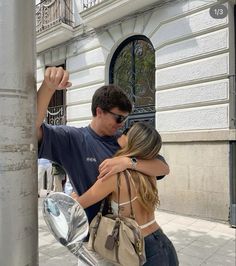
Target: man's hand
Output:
[(113, 166), (56, 78)]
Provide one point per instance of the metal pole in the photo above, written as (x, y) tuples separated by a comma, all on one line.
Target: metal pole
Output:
[(232, 184), (18, 176)]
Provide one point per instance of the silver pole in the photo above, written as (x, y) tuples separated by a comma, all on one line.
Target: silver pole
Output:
[(18, 177)]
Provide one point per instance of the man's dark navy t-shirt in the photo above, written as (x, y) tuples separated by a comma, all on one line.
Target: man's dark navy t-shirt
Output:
[(79, 151)]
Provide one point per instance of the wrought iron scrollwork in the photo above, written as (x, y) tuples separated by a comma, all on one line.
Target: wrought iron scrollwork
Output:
[(48, 3), (56, 115), (89, 3), (133, 69), (52, 12)]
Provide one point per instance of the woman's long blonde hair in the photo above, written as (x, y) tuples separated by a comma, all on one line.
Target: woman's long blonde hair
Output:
[(144, 142)]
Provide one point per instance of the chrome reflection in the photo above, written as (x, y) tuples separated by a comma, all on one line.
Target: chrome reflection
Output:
[(68, 223)]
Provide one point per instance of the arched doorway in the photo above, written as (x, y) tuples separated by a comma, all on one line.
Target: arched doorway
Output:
[(133, 69)]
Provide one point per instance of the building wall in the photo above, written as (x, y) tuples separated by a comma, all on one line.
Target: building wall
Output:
[(198, 183), (194, 59)]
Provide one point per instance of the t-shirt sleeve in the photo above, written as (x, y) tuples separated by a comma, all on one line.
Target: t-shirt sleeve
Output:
[(56, 143)]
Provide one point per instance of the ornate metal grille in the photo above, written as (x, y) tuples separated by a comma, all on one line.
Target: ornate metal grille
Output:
[(133, 69), (56, 115), (52, 12), (90, 3)]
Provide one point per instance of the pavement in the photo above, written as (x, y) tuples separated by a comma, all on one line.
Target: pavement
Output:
[(197, 241)]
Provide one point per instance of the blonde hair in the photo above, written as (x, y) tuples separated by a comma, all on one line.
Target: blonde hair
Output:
[(144, 142)]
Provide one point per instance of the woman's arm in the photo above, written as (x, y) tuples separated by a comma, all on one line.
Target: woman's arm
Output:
[(97, 192)]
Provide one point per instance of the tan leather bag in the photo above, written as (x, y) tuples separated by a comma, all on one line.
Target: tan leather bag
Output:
[(117, 239)]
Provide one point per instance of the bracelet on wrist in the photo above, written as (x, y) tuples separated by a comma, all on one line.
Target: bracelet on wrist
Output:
[(134, 162)]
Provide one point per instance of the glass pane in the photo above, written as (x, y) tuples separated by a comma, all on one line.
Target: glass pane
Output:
[(144, 74), (123, 70)]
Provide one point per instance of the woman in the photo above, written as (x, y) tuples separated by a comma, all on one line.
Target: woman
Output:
[(142, 142)]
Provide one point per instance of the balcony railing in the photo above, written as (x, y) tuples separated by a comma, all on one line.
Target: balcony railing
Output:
[(52, 12), (56, 115), (90, 3), (97, 13)]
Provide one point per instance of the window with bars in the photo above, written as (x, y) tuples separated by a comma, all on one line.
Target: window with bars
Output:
[(56, 113)]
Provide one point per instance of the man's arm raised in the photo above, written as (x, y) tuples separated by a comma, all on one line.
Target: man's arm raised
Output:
[(55, 78)]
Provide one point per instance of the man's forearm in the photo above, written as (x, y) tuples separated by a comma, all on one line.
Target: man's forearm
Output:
[(44, 96), (54, 78), (118, 164), (151, 167)]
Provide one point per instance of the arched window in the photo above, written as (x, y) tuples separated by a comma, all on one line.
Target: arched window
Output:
[(133, 69)]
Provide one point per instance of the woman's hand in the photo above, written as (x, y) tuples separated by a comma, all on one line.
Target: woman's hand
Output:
[(74, 196), (113, 166)]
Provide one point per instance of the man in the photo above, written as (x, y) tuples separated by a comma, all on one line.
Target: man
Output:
[(84, 152)]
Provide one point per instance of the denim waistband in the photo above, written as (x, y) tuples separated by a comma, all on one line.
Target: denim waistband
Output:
[(158, 232)]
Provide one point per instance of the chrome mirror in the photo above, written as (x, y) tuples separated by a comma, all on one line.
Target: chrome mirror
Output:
[(68, 223)]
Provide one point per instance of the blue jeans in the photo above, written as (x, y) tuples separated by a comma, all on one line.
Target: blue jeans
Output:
[(159, 250)]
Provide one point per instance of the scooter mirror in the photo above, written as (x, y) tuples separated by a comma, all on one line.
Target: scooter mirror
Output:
[(68, 223)]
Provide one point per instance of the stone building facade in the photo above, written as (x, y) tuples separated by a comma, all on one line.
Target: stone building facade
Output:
[(194, 87)]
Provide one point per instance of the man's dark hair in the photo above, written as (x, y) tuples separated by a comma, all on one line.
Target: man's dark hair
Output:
[(110, 96)]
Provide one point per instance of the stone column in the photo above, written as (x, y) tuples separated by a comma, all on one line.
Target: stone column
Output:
[(18, 150)]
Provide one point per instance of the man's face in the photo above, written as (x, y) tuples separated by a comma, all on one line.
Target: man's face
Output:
[(112, 120)]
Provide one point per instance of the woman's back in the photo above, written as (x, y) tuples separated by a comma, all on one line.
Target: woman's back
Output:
[(145, 218)]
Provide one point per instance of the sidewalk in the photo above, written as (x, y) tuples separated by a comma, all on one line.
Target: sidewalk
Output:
[(197, 241)]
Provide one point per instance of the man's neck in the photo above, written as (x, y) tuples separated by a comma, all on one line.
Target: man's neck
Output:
[(95, 127)]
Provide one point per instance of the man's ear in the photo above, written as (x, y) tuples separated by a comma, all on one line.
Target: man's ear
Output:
[(99, 111)]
